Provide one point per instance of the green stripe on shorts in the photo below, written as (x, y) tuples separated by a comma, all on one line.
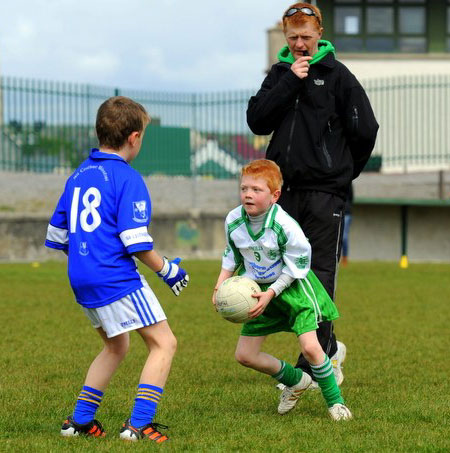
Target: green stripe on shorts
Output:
[(297, 309)]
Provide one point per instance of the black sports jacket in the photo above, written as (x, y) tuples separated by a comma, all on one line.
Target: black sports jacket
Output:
[(323, 126)]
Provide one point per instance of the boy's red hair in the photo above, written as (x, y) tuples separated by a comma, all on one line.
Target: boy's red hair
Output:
[(264, 169)]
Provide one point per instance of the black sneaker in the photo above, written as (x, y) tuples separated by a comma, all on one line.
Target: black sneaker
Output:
[(91, 429), (150, 431)]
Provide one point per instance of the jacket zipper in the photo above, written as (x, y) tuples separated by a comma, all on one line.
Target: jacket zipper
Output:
[(325, 150), (291, 132), (355, 119), (322, 143)]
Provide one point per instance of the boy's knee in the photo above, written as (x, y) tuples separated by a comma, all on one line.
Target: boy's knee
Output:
[(168, 344), (312, 352), (118, 348), (243, 358), (172, 344)]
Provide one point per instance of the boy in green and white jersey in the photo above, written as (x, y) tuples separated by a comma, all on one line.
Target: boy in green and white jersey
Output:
[(267, 245)]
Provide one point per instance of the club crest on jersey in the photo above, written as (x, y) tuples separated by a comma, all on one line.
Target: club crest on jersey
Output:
[(140, 213), (272, 254), (302, 262), (84, 251)]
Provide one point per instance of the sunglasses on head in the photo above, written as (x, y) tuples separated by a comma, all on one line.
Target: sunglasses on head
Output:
[(305, 10)]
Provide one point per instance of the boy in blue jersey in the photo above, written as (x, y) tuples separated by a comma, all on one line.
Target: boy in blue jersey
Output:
[(101, 223)]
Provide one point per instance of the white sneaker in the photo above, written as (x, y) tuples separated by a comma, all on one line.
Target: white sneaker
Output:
[(337, 361), (314, 386), (290, 395), (340, 412)]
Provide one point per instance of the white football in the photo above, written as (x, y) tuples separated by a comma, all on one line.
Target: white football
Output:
[(234, 298)]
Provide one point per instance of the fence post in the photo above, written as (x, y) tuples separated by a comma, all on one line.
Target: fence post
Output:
[(441, 185), (193, 151), (404, 231)]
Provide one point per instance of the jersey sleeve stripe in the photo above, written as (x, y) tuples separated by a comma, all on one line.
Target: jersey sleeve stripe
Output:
[(56, 245), (57, 235), (135, 236)]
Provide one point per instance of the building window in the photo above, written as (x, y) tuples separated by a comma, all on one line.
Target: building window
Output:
[(347, 20), (448, 20), (382, 26), (380, 20), (448, 27), (412, 20)]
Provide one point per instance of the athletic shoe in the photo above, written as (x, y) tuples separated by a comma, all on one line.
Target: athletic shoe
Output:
[(340, 412), (290, 395), (337, 361), (314, 386), (149, 431), (92, 429)]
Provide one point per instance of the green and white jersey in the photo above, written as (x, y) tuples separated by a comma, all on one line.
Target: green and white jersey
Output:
[(280, 246)]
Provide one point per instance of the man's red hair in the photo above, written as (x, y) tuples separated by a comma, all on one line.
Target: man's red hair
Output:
[(300, 18)]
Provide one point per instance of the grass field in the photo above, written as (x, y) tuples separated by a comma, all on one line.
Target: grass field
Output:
[(394, 322)]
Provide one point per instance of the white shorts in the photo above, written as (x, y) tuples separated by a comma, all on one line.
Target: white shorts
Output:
[(134, 311)]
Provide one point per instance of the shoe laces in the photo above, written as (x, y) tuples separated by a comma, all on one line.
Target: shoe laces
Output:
[(158, 426), (287, 393)]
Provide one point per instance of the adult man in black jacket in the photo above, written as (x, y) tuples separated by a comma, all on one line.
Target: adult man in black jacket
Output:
[(324, 131)]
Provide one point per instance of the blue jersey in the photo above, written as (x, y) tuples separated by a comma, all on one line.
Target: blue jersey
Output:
[(100, 220)]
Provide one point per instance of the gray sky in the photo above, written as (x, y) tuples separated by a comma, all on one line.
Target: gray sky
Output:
[(156, 45)]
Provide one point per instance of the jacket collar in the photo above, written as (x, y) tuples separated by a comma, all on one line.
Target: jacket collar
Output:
[(328, 61), (96, 154)]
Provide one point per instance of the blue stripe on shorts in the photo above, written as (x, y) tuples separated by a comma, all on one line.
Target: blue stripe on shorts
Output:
[(135, 303), (145, 300)]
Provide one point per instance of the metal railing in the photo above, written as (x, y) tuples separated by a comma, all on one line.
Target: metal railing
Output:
[(48, 126), (413, 113)]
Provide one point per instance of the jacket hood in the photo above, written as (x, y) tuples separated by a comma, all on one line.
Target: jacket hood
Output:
[(325, 47)]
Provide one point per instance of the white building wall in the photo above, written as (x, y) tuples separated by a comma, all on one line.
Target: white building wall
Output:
[(391, 67)]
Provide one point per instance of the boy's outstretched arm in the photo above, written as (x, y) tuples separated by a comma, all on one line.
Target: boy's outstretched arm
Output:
[(173, 275)]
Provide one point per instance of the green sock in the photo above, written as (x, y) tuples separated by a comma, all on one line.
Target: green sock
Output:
[(288, 375), (324, 376)]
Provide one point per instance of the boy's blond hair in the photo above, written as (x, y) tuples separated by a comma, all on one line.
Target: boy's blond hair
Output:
[(117, 118), (300, 18), (267, 170)]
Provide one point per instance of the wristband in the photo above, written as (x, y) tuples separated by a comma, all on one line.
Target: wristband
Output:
[(165, 269)]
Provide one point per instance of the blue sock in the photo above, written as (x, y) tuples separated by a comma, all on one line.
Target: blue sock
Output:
[(88, 402), (145, 405)]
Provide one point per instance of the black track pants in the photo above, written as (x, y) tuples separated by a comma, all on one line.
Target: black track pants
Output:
[(320, 215)]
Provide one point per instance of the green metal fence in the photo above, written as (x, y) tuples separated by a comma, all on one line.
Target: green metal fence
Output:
[(48, 126)]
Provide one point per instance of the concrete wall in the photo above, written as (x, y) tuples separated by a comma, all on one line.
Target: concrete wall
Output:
[(375, 235), (188, 215), (188, 235)]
